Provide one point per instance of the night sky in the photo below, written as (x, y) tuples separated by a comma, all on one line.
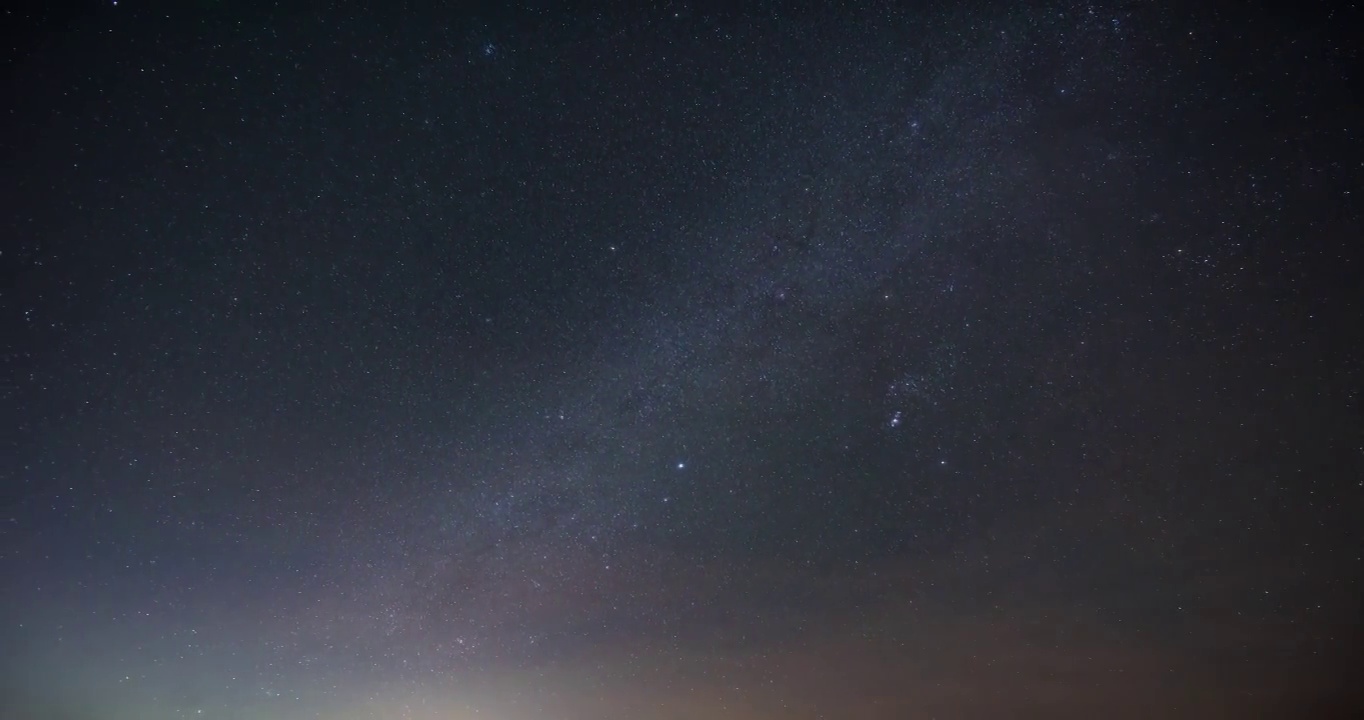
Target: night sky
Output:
[(664, 361)]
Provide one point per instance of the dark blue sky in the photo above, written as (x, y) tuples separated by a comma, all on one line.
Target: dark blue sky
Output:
[(439, 361)]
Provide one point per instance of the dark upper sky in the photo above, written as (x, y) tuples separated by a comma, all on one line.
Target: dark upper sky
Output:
[(671, 362)]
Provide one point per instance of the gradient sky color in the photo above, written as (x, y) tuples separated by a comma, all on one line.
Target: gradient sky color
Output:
[(675, 361)]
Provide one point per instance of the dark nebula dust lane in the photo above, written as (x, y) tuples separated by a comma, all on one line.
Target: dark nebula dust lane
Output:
[(669, 361)]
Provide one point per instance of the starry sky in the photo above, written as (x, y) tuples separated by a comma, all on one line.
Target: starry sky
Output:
[(548, 362)]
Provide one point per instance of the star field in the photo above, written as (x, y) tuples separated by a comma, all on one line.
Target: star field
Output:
[(672, 361)]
